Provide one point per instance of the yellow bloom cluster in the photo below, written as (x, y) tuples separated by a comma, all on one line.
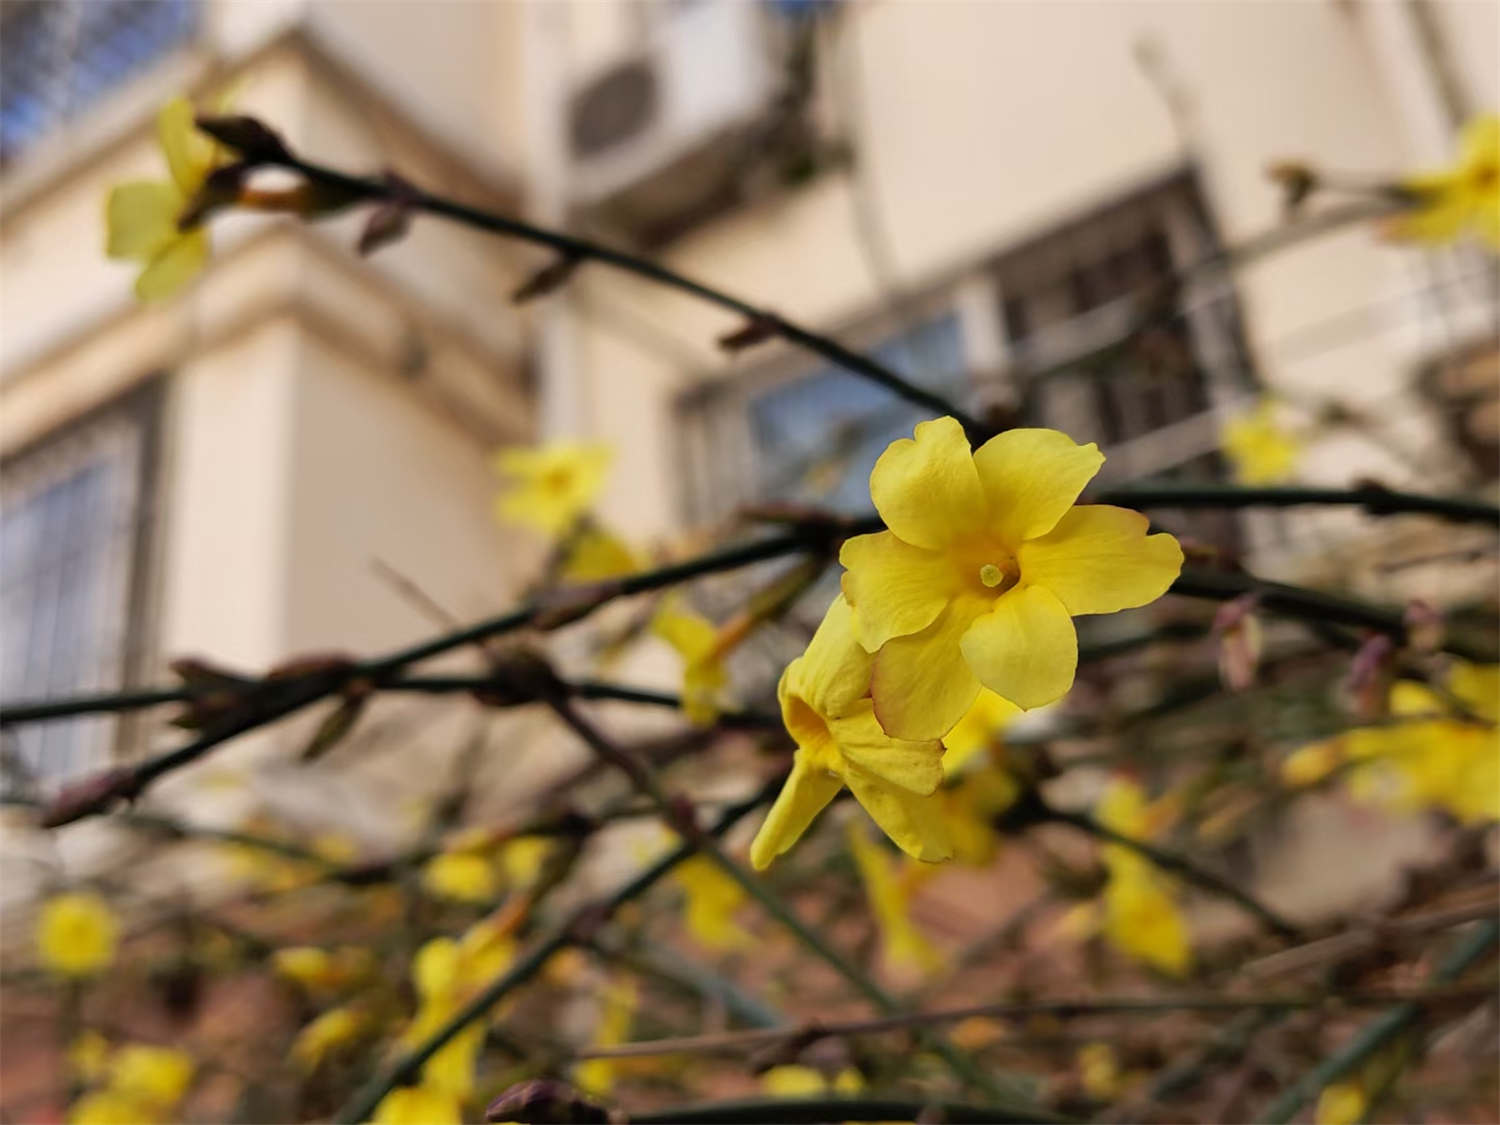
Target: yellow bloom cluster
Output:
[(322, 972), (1141, 916), (793, 1080), (478, 865), (1461, 199), (446, 974), (697, 641), (711, 900), (1424, 758), (142, 1085), (76, 934), (974, 585)]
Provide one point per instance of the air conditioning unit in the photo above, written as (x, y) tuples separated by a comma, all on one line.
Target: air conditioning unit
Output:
[(656, 137)]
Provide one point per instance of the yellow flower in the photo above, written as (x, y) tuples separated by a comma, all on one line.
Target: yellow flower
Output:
[(1260, 450), (76, 934), (88, 1056), (985, 562), (977, 732), (141, 216), (697, 641), (711, 900), (597, 1076), (1422, 759), (1465, 197), (463, 876), (890, 892), (826, 706), (446, 974), (1099, 1070), (1341, 1103), (322, 971), (596, 554), (1142, 919), (151, 1076), (418, 1105), (795, 1081), (335, 1028), (552, 486)]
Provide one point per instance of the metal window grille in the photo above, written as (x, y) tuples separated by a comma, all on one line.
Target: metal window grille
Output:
[(1069, 303), (59, 57), (74, 514)]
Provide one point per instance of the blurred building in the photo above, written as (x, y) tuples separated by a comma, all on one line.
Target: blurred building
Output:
[(983, 194)]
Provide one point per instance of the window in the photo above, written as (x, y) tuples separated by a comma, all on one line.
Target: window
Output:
[(72, 545), (812, 436), (1067, 303), (58, 57)]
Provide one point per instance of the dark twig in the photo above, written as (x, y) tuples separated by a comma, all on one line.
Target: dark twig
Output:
[(760, 322), (812, 1111)]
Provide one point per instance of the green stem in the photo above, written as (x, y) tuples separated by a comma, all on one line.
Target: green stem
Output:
[(1382, 1030)]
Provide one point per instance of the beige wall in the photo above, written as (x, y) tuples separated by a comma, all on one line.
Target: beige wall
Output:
[(994, 120)]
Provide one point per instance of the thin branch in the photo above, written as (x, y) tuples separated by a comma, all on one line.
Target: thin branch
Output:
[(737, 1041), (761, 322), (673, 813), (1382, 1030), (1373, 499), (819, 1110), (577, 925), (1178, 864)]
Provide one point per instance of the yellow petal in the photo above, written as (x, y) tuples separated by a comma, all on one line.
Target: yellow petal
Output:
[(793, 1081), (1341, 1103), (1030, 478), (896, 589), (173, 267), (154, 1076), (435, 968), (1099, 559), (140, 218), (914, 823), (1026, 649), (914, 766), (833, 674), (691, 634), (890, 902), (461, 876), (418, 1105), (451, 1070), (1142, 920), (926, 489), (109, 1107), (806, 793), (1479, 145), (189, 153), (922, 684)]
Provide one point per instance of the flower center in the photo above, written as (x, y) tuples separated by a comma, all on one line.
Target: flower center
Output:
[(991, 575), (557, 480)]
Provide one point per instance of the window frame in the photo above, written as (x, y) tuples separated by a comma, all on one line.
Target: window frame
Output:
[(142, 407)]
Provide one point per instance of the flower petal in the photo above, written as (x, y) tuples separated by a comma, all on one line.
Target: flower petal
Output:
[(140, 218), (926, 489), (834, 672), (914, 823), (1099, 559), (176, 265), (1030, 478), (189, 153), (806, 793), (921, 684), (895, 588), (915, 766), (1026, 649)]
